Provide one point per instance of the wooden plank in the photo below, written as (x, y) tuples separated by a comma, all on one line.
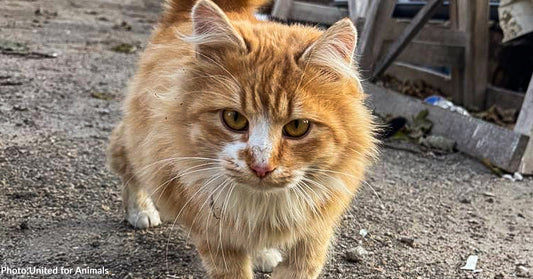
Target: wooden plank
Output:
[(430, 54), (526, 162), (524, 124), (476, 54), (475, 137), (458, 80), (370, 43), (352, 11), (407, 35), (436, 33), (454, 14), (403, 72), (282, 9), (506, 99), (301, 11)]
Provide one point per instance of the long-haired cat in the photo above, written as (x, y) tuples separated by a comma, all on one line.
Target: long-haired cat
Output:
[(251, 135)]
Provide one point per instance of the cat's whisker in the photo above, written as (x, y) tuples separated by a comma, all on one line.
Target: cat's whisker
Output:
[(324, 172), (224, 212), (322, 197), (201, 188), (208, 199), (226, 182), (322, 187), (145, 169), (306, 196), (207, 223)]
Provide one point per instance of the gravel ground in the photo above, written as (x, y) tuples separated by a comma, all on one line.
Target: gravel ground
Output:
[(61, 207)]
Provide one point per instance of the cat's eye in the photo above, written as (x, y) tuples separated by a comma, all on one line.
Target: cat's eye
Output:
[(297, 128), (234, 120)]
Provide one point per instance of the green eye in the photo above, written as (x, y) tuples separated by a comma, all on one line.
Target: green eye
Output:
[(297, 128), (234, 120)]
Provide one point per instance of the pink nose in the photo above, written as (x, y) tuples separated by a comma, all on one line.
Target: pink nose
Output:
[(261, 170)]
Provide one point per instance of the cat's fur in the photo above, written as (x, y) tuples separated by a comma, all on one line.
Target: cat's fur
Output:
[(177, 158)]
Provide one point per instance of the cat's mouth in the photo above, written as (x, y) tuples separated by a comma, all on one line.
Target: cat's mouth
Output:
[(270, 183)]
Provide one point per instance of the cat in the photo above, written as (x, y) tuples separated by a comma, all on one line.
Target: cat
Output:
[(252, 135)]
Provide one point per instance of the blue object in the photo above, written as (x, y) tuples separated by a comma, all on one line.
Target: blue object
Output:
[(433, 100)]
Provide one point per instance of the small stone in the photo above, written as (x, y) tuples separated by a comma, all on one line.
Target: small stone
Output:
[(407, 240), (499, 276), (356, 255), (489, 194), (20, 108), (465, 200), (24, 226), (522, 271)]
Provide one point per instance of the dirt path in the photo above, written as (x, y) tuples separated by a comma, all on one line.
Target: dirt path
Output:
[(60, 207)]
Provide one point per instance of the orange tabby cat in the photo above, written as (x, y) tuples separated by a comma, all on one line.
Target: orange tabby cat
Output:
[(251, 135)]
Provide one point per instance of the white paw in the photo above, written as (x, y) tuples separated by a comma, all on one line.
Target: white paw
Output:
[(266, 260), (144, 219)]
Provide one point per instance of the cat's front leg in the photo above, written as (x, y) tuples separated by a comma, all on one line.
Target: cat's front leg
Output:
[(305, 259), (223, 262)]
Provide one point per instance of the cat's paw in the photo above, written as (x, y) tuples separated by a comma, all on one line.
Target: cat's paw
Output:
[(142, 219), (266, 260)]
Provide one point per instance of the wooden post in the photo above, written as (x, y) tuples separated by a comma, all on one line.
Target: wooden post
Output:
[(282, 9), (352, 11), (371, 41), (474, 18), (524, 124), (407, 35)]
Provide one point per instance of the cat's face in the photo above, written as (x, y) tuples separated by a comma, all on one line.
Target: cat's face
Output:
[(267, 108)]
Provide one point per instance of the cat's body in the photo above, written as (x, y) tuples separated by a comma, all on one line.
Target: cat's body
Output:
[(251, 135)]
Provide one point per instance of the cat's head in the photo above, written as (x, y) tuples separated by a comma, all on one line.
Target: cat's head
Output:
[(273, 106)]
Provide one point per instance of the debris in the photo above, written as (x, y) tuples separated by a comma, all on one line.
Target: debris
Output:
[(471, 263), (420, 125), (502, 117), (492, 167), (24, 225), (445, 104), (102, 95), (418, 88), (19, 49), (12, 46), (122, 26), (465, 199), (515, 177), (124, 48), (489, 194), (10, 83), (20, 108), (46, 13), (407, 240), (522, 271), (363, 232), (356, 255), (438, 142), (392, 126)]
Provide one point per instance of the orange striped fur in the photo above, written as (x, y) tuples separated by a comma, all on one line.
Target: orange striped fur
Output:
[(177, 158)]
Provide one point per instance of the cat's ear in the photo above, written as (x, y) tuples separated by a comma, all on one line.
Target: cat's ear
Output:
[(335, 49), (212, 28)]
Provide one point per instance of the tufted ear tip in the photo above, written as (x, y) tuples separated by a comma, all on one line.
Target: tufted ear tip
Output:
[(334, 49), (211, 26)]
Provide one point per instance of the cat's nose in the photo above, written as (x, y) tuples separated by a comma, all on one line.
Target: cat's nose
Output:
[(261, 170)]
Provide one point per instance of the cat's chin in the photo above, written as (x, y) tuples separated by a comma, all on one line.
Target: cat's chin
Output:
[(264, 187)]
